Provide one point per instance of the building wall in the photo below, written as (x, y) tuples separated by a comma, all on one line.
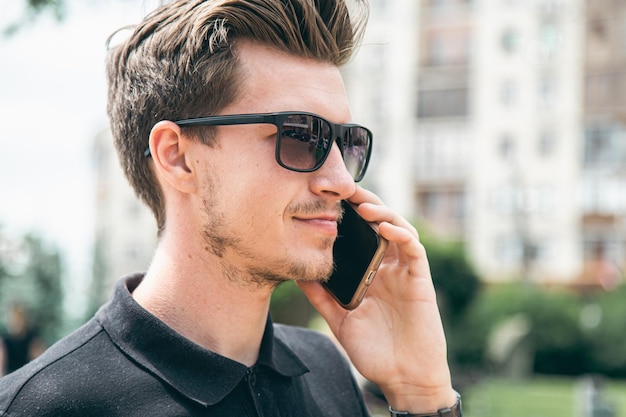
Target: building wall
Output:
[(526, 112), (603, 182)]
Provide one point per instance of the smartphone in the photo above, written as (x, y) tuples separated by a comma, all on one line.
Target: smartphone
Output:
[(357, 254)]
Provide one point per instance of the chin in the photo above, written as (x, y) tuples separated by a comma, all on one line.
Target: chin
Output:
[(323, 274)]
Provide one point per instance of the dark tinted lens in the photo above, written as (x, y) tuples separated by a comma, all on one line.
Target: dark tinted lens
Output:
[(356, 147), (304, 142)]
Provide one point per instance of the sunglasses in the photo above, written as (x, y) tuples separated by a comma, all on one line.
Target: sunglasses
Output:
[(303, 140)]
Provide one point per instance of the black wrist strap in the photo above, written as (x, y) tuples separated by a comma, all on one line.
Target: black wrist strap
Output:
[(454, 411)]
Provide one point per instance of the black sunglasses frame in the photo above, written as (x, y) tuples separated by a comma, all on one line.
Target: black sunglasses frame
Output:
[(337, 132)]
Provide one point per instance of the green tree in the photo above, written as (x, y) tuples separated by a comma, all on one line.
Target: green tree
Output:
[(35, 8), (458, 286), (606, 337), (456, 282)]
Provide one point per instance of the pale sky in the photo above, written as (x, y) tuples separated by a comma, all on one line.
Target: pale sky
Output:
[(52, 104)]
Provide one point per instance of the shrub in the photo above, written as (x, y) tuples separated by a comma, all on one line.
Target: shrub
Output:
[(559, 342), (606, 337)]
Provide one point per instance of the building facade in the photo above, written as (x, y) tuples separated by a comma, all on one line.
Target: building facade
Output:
[(511, 132), (501, 123), (126, 231)]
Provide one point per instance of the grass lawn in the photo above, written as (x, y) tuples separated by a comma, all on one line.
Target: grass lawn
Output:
[(536, 397)]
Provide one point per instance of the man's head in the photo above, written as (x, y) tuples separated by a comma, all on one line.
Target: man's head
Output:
[(181, 62)]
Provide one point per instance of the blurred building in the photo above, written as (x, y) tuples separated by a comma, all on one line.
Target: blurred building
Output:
[(525, 111), (497, 122), (506, 128), (603, 170), (126, 231)]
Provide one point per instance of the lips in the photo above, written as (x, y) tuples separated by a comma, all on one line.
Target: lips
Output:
[(321, 223), (330, 217), (317, 209)]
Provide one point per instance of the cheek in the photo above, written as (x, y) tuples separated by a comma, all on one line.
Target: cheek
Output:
[(264, 211), (252, 190), (247, 203)]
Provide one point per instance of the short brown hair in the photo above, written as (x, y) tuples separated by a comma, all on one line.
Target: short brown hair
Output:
[(179, 63)]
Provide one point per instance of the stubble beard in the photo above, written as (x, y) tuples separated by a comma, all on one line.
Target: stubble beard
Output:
[(258, 273)]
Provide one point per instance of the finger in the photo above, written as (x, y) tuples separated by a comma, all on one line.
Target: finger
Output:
[(361, 195), (404, 253), (378, 214), (404, 237), (372, 209)]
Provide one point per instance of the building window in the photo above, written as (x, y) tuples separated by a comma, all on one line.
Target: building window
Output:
[(505, 199), (443, 209), (601, 195), (546, 145), (443, 103), (603, 90), (506, 147), (547, 91), (446, 47), (508, 250), (603, 253), (511, 199), (437, 3), (508, 93), (548, 6), (605, 146), (602, 245), (433, 204), (545, 197), (597, 29), (509, 41), (437, 50), (548, 40)]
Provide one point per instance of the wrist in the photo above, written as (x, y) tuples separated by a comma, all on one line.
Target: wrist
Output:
[(420, 399), (455, 410)]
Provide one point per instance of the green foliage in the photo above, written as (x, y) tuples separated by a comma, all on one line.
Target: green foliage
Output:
[(30, 275), (455, 280), (560, 343), (553, 317), (35, 8), (290, 306), (607, 337)]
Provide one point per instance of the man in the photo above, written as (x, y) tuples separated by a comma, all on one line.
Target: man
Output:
[(241, 206), (20, 343)]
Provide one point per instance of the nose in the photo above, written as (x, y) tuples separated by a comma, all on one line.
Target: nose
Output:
[(333, 178)]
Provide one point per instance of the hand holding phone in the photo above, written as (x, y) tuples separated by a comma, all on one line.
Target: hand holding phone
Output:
[(357, 253)]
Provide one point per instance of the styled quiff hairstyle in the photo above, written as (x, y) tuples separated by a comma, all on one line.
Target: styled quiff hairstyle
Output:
[(180, 62)]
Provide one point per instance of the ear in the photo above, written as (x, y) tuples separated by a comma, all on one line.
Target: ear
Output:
[(169, 149)]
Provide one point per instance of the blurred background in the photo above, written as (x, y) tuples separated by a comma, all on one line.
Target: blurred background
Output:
[(500, 132)]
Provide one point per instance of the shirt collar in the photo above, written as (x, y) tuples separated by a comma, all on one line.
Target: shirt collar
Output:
[(197, 373)]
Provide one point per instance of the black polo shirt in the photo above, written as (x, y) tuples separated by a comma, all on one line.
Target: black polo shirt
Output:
[(126, 362)]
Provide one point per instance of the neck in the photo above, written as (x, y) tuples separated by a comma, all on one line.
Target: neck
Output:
[(201, 300)]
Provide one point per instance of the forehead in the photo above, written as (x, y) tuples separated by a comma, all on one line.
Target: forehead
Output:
[(275, 81)]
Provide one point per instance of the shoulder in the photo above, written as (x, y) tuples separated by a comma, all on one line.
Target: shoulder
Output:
[(60, 376)]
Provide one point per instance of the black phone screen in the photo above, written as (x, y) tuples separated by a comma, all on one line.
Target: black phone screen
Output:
[(353, 251)]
